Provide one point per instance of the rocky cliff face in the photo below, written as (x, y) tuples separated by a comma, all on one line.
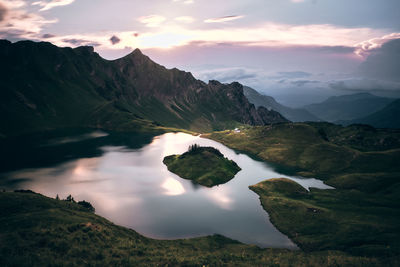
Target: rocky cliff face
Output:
[(44, 86)]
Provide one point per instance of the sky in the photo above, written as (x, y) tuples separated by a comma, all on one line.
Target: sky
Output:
[(298, 51)]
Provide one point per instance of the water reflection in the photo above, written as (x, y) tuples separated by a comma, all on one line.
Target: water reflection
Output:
[(221, 197), (78, 138), (173, 187), (132, 187)]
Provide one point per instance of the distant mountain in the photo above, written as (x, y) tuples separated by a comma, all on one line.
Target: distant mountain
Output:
[(43, 86), (348, 107), (293, 114), (388, 117)]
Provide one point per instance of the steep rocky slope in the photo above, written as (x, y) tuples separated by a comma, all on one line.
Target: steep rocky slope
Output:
[(43, 86)]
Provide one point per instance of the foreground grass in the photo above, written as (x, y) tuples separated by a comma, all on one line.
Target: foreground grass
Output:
[(351, 221), (39, 231), (203, 165)]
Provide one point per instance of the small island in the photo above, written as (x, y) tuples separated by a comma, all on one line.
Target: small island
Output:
[(206, 166)]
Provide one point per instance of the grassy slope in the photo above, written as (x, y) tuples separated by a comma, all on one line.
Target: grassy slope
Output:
[(204, 166), (355, 222), (39, 231), (361, 215), (321, 150)]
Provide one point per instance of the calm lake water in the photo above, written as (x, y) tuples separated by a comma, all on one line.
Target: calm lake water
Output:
[(124, 178)]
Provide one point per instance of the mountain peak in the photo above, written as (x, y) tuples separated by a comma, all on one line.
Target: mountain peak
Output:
[(135, 55), (137, 52)]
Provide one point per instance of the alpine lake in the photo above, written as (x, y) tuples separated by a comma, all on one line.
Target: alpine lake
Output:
[(124, 178)]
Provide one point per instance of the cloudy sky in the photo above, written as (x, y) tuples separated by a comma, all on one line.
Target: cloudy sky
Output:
[(298, 51)]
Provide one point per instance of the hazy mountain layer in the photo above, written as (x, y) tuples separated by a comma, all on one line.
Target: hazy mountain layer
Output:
[(348, 107), (388, 117), (293, 114), (43, 86)]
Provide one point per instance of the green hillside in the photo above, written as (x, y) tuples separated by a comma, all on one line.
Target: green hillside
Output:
[(353, 221), (319, 149), (360, 216)]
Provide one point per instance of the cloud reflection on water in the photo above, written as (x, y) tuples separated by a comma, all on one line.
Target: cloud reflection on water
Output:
[(133, 188), (173, 187)]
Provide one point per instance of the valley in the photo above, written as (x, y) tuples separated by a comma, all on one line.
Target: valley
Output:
[(259, 189)]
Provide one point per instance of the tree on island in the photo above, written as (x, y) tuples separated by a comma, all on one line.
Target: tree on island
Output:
[(194, 148)]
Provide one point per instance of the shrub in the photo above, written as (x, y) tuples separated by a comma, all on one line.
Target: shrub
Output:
[(70, 199), (87, 205)]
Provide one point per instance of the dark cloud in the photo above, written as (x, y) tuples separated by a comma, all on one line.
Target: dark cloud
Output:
[(3, 12), (114, 40), (93, 44), (48, 35), (383, 63), (73, 41), (301, 83), (80, 42), (337, 49), (16, 35)]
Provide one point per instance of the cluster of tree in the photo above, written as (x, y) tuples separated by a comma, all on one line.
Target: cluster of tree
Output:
[(83, 203), (194, 148)]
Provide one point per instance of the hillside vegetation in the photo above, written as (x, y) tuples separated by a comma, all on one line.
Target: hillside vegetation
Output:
[(39, 231), (352, 221), (361, 215), (322, 150)]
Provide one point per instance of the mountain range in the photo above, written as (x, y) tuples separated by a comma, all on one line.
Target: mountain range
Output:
[(388, 117), (293, 114), (43, 86), (348, 107)]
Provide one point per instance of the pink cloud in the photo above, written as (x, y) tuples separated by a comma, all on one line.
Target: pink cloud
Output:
[(364, 49), (46, 5), (223, 19)]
